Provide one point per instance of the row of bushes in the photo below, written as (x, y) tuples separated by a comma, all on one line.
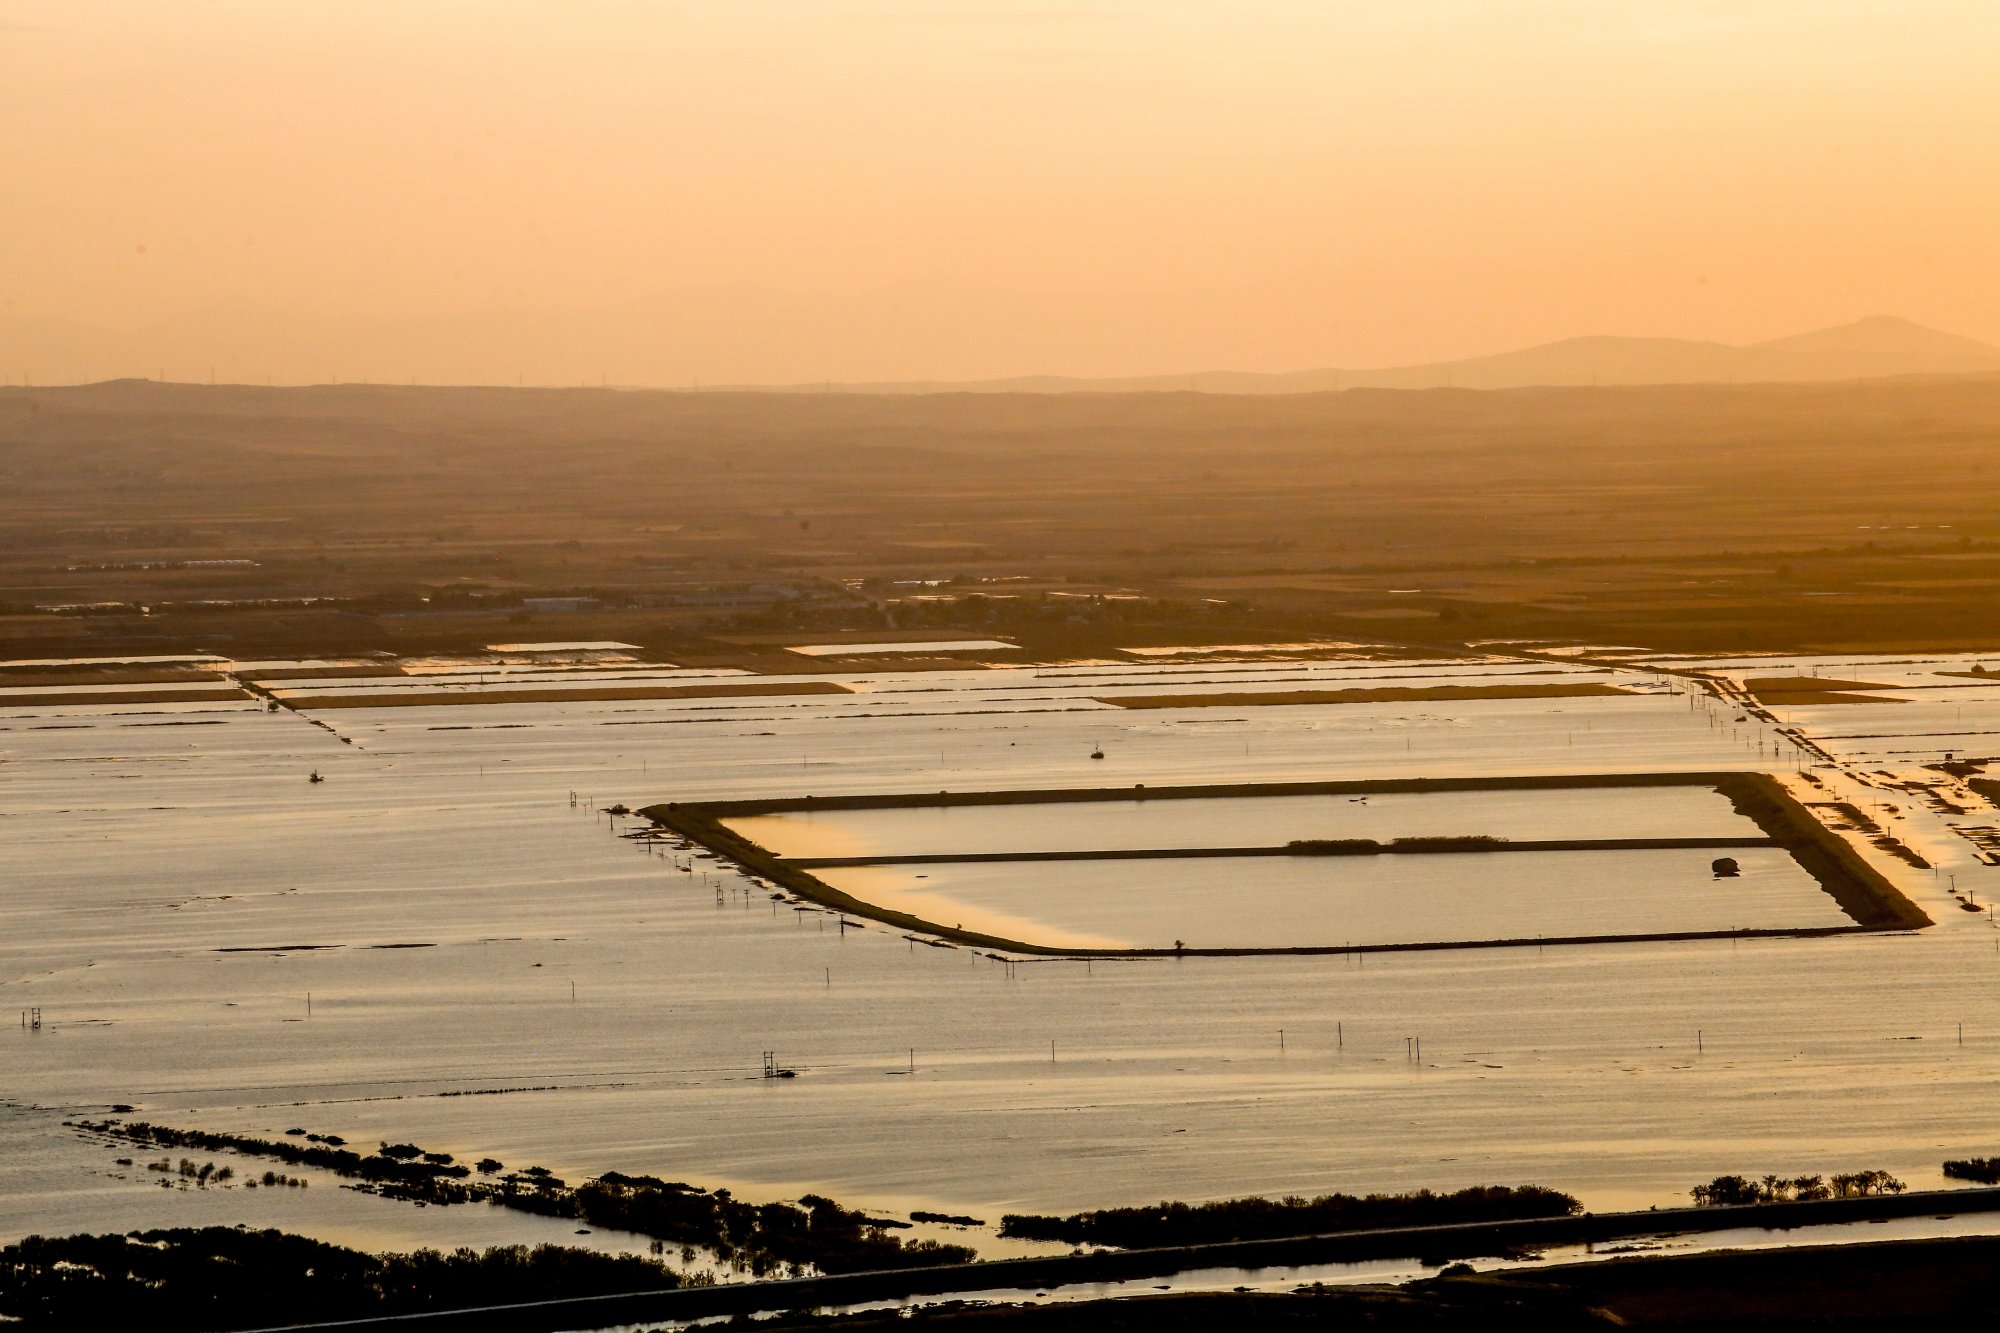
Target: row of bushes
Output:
[(761, 1238), (1727, 1190), (216, 1278), (1983, 1170), (1264, 1219)]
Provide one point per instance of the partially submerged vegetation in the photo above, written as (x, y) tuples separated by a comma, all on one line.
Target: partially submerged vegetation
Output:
[(194, 1280), (1989, 788), (1982, 1170), (1858, 820), (1731, 1191), (767, 1238), (1927, 1284), (1260, 1219)]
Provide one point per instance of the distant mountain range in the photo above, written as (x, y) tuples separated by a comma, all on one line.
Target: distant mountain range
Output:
[(755, 338), (1881, 345)]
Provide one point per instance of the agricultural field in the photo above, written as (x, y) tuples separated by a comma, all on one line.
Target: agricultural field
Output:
[(216, 940), (327, 717), (1300, 875)]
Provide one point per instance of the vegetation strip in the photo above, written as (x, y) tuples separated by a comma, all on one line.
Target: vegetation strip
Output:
[(757, 1238), (1362, 695), (1462, 1240), (1985, 1170), (1304, 847), (1855, 886), (1175, 1223), (188, 1279)]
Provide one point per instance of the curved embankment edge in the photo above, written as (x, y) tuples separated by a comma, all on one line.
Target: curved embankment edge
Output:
[(1858, 888)]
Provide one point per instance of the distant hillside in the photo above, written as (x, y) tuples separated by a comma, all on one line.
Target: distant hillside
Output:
[(752, 338), (1869, 348)]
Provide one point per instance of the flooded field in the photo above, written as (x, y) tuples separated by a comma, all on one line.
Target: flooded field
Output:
[(886, 649), (1329, 902), (1250, 821), (491, 970)]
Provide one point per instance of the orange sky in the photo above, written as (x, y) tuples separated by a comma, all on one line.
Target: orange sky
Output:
[(1110, 186)]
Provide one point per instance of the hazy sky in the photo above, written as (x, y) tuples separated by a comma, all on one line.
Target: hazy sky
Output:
[(1262, 184)]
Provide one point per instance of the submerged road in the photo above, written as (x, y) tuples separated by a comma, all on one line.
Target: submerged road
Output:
[(1464, 1240)]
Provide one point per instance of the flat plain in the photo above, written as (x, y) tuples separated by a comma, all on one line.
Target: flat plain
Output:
[(182, 888), (484, 620)]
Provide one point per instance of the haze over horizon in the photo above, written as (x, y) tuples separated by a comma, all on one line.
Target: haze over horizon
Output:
[(777, 191)]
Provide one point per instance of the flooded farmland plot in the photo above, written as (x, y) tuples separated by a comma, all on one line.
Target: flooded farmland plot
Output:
[(446, 941), (1242, 821), (1329, 902)]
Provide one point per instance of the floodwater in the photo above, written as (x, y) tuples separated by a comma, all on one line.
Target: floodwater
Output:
[(1250, 821), (493, 971), (899, 646), (1278, 902)]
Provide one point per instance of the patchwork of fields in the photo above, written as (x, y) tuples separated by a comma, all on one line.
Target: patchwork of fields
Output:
[(178, 887)]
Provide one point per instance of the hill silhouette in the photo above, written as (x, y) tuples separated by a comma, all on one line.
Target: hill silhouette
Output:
[(1876, 347), (745, 337)]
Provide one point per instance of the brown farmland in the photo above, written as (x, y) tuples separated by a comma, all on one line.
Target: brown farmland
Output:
[(1845, 516)]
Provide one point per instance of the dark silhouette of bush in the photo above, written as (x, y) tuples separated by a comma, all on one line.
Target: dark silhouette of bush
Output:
[(1726, 1191), (1260, 1219), (819, 1234), (213, 1278)]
